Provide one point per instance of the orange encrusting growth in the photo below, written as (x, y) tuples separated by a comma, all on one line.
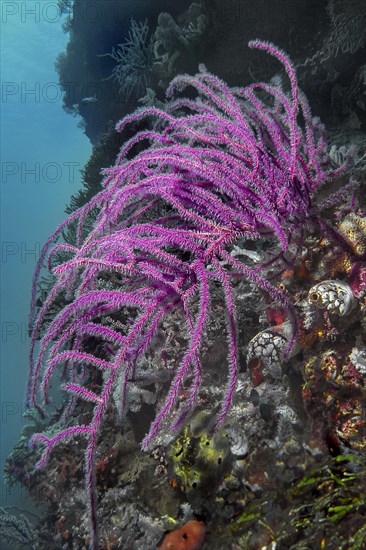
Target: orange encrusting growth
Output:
[(188, 537)]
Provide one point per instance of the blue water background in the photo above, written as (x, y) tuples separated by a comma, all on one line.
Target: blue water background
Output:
[(42, 154)]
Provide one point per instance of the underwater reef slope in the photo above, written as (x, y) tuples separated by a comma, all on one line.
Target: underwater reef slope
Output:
[(213, 206)]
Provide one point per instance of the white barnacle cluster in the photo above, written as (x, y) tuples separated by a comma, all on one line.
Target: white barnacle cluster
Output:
[(334, 296), (268, 346)]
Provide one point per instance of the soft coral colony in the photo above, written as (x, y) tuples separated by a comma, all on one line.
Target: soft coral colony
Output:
[(226, 165)]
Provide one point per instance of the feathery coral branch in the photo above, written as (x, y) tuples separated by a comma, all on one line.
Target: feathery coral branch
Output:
[(228, 165)]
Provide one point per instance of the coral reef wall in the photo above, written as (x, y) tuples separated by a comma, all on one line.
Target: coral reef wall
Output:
[(325, 39)]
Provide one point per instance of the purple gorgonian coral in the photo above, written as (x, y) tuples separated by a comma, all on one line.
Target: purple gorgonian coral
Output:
[(227, 165)]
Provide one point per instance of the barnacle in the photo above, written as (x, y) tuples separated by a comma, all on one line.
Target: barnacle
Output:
[(269, 347), (334, 296), (266, 345)]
